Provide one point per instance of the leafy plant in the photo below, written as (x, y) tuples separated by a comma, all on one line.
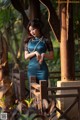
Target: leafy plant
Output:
[(29, 101), (2, 101)]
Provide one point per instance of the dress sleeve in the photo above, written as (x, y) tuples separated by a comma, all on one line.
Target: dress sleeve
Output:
[(49, 44)]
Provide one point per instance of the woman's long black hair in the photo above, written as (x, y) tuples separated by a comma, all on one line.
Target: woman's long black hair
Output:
[(35, 23)]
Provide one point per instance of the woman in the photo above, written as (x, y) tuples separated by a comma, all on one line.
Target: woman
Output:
[(36, 47)]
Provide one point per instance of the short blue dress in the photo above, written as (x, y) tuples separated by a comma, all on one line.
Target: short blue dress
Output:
[(40, 71)]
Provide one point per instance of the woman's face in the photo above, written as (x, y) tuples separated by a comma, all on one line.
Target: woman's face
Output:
[(34, 31)]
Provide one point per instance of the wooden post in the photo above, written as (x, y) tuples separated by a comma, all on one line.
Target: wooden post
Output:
[(19, 84), (43, 91), (78, 103), (22, 85), (32, 80), (67, 44), (39, 92)]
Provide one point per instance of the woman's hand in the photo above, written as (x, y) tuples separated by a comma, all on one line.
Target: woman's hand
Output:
[(38, 55), (30, 55), (42, 57)]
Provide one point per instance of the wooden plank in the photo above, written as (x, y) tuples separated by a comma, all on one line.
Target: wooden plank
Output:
[(69, 108), (64, 88), (79, 104), (17, 75), (32, 79), (22, 85), (35, 85), (19, 84), (35, 93), (63, 95), (16, 81)]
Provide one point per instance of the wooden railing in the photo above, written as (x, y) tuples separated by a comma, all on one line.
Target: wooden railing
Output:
[(19, 77), (40, 91), (57, 75), (36, 91), (18, 80)]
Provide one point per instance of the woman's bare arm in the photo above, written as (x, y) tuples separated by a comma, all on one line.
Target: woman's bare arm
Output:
[(49, 55), (30, 55)]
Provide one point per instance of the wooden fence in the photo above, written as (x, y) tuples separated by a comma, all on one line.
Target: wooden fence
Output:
[(19, 87), (40, 92)]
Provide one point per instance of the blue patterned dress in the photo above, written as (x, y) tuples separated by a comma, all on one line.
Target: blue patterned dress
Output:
[(40, 71)]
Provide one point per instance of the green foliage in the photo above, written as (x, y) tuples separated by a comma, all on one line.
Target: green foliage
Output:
[(4, 13), (7, 16), (76, 20), (29, 101), (27, 117), (4, 3), (3, 99)]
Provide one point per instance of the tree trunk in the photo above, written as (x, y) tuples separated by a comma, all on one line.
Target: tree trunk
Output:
[(34, 9), (3, 58)]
